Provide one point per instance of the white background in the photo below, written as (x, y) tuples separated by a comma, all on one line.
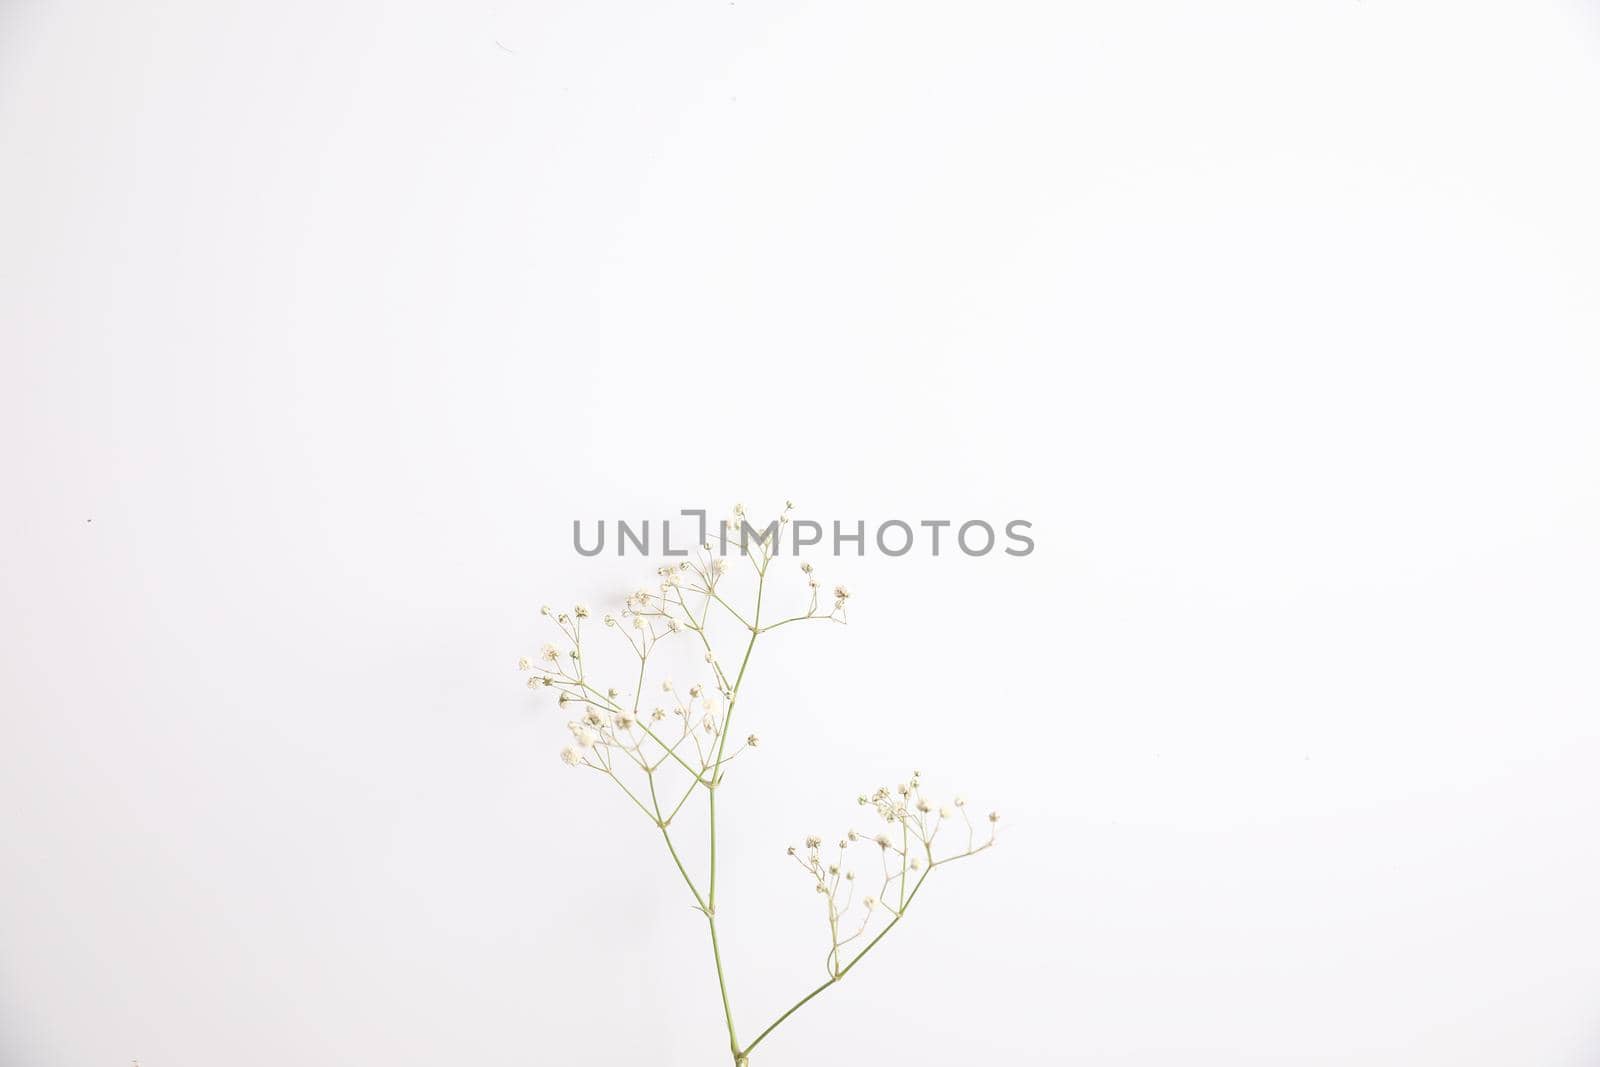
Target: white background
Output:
[(1278, 321)]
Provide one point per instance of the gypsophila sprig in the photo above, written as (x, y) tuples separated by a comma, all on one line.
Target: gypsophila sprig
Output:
[(667, 743)]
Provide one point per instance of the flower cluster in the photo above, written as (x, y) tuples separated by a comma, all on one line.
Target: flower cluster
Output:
[(650, 726), (908, 850), (665, 742)]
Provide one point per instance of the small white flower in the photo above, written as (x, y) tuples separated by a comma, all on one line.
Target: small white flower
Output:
[(524, 664), (946, 812), (550, 652), (581, 611), (869, 902), (571, 756), (813, 841), (841, 592), (753, 741)]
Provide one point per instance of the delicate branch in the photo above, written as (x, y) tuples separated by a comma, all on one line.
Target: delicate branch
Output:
[(614, 729)]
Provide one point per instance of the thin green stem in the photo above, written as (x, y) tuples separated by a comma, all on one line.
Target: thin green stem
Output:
[(847, 968), (661, 824), (656, 817), (711, 804), (722, 984), (711, 790), (802, 1003)]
